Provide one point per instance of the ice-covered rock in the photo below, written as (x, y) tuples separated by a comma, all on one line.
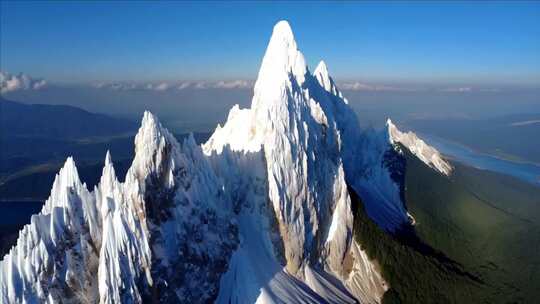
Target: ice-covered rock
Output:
[(165, 234), (56, 255), (427, 154), (297, 121)]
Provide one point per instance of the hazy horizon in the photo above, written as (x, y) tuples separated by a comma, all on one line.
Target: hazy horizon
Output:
[(397, 60)]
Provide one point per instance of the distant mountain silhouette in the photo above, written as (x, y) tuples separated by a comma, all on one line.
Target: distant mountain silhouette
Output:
[(57, 121)]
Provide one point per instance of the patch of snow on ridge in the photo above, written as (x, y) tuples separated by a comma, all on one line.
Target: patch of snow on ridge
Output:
[(427, 154)]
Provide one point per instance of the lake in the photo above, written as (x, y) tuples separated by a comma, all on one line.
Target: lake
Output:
[(525, 171)]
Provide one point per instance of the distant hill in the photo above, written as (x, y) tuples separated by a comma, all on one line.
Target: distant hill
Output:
[(57, 121)]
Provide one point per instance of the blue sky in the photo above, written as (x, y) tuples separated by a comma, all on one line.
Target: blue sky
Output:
[(436, 42)]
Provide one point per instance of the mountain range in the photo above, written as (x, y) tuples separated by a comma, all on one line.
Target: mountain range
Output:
[(288, 202)]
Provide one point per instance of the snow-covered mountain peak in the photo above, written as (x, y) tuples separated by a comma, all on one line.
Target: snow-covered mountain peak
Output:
[(324, 79), (108, 175), (283, 33), (66, 181), (151, 132), (155, 150), (261, 214), (321, 72), (50, 261), (68, 175), (278, 96), (389, 123), (282, 63), (427, 154), (108, 158), (296, 121), (108, 185)]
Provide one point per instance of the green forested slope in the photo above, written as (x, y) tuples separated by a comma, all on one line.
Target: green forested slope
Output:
[(476, 239), (489, 223)]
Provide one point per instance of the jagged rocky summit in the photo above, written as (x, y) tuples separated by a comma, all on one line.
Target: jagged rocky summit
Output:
[(259, 213)]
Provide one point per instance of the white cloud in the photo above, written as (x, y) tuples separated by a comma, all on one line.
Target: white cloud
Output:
[(490, 90), (458, 90), (10, 83), (184, 85), (119, 86), (230, 84), (359, 86), (247, 84), (200, 85), (179, 85), (525, 123), (234, 84), (469, 89), (163, 86), (355, 86)]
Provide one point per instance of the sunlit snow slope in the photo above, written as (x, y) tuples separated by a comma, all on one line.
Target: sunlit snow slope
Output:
[(427, 154)]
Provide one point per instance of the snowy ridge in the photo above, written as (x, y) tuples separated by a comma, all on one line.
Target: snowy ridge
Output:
[(427, 154), (56, 251), (260, 213), (124, 254), (109, 245)]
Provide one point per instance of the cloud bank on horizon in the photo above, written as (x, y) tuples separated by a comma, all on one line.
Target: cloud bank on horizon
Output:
[(174, 85), (11, 83), (248, 84), (21, 81)]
